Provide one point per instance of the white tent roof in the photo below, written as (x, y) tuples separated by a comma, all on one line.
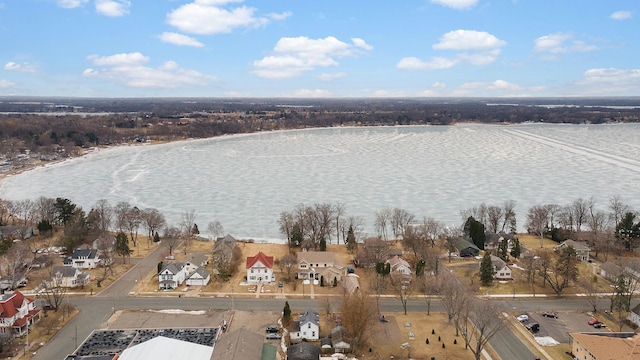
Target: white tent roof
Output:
[(163, 348)]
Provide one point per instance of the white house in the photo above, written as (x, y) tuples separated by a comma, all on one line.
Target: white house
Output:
[(171, 276), (16, 313), (314, 265), (500, 269), (307, 327), (399, 265), (67, 276), (581, 248), (83, 259), (200, 276), (260, 269), (634, 315)]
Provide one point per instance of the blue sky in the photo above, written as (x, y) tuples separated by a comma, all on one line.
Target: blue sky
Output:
[(329, 48)]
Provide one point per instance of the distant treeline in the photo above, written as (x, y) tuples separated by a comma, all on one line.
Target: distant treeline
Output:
[(55, 126)]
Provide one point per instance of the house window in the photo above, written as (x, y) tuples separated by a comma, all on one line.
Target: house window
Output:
[(309, 326), (313, 334)]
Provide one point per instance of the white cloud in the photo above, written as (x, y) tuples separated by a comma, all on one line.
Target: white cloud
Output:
[(209, 17), (113, 8), (436, 63), (130, 69), (456, 4), (331, 76), (621, 15), (293, 56), (609, 82), (468, 40), (179, 39), (472, 47), (71, 4), (388, 93), (560, 43), (495, 88), (6, 84), (309, 93), (26, 67)]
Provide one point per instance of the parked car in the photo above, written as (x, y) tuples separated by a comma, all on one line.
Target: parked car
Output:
[(598, 325), (522, 317), (550, 314), (280, 284), (272, 329), (533, 327), (273, 336), (593, 322)]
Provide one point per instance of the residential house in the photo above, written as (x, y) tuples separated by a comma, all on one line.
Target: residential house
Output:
[(66, 276), (581, 248), (374, 250), (83, 259), (307, 327), (13, 281), (15, 232), (195, 261), (634, 315), (610, 271), (500, 269), (605, 345), (399, 265), (303, 351), (223, 250), (464, 247), (632, 267), (242, 344), (338, 335), (198, 277), (260, 269), (492, 240), (172, 275), (318, 265), (17, 313)]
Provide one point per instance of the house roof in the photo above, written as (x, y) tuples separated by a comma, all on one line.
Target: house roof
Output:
[(239, 344), (611, 269), (497, 262), (204, 273), (351, 283), (577, 245), (317, 257), (397, 261), (262, 258), (636, 310), (10, 303), (84, 253), (173, 268), (310, 316), (162, 347), (198, 259), (303, 351), (609, 347), (65, 271), (461, 244)]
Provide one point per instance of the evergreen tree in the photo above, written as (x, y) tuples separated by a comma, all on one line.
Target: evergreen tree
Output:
[(286, 315), (486, 270), (474, 229), (335, 281), (516, 250), (156, 237), (323, 244), (351, 240), (503, 250), (420, 268), (296, 235), (628, 232), (322, 280), (195, 230), (122, 245)]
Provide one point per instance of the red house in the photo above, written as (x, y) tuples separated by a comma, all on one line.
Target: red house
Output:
[(260, 269), (17, 313)]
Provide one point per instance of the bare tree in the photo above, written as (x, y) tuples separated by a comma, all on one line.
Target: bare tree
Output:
[(24, 211), (285, 223), (216, 229), (106, 246), (382, 222), (564, 270), (172, 238), (509, 216), (453, 296), (188, 219), (153, 220), (538, 221), (429, 285), (399, 221), (338, 211), (121, 212), (287, 263), (481, 325), (54, 290), (45, 209), (403, 285), (618, 209), (358, 314), (588, 281), (133, 221), (580, 210), (494, 218)]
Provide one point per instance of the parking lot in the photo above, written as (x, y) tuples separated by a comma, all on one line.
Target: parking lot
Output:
[(559, 328)]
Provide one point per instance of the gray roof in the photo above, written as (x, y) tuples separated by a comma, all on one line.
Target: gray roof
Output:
[(577, 245), (204, 273), (174, 267), (65, 271), (497, 262), (199, 259), (239, 344), (611, 269), (462, 243), (84, 253), (303, 351), (310, 316)]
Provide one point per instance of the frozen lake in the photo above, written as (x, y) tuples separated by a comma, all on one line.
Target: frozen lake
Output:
[(246, 181)]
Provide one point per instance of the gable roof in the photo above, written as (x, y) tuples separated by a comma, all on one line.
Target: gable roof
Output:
[(10, 303), (65, 271), (173, 268), (611, 269), (239, 344), (317, 257), (262, 258), (310, 316), (84, 253), (497, 262), (636, 310), (461, 244), (577, 245), (204, 273), (397, 261), (198, 259), (303, 351), (166, 348)]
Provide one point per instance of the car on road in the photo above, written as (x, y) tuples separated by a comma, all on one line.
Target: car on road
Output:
[(523, 317), (593, 322), (273, 337), (272, 329), (550, 314)]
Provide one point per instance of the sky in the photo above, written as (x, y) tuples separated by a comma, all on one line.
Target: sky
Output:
[(325, 49)]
